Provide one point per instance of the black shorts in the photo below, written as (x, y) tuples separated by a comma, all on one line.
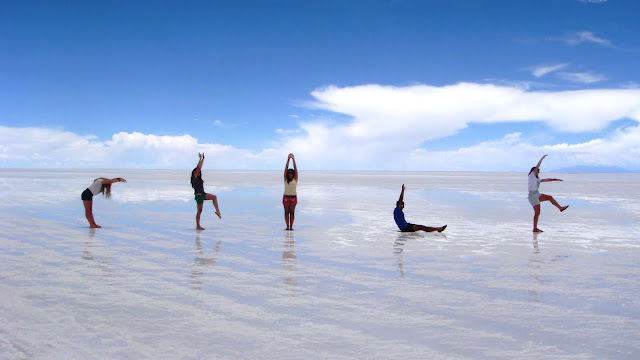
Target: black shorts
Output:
[(409, 228), (87, 195)]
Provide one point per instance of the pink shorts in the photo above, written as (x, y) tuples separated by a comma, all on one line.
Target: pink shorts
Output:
[(289, 200)]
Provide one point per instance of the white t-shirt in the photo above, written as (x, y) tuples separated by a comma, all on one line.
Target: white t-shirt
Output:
[(534, 182), (95, 187)]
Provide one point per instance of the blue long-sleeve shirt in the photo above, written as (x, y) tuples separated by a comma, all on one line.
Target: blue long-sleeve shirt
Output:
[(398, 216)]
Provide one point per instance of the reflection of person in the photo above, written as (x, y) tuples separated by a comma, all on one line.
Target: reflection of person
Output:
[(398, 216), (398, 249), (290, 197), (535, 197), (289, 259), (200, 195), (202, 260), (99, 186)]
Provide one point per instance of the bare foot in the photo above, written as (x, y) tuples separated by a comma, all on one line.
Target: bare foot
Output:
[(537, 231), (199, 228), (442, 228), (564, 208), (220, 216), (95, 226)]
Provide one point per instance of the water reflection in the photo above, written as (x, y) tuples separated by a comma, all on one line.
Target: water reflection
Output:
[(398, 251), (201, 260), (289, 259), (87, 254), (535, 264)]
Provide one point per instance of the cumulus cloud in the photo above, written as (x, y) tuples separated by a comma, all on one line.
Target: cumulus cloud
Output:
[(542, 70), (51, 148), (515, 152), (375, 127)]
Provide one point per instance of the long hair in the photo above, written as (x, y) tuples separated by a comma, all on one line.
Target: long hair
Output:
[(105, 189), (193, 178), (533, 168), (290, 171)]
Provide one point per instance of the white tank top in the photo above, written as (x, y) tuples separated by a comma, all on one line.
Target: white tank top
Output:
[(95, 187), (290, 188), (534, 182)]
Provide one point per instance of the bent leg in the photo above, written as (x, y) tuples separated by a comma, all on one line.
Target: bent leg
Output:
[(215, 203), (88, 213), (545, 197)]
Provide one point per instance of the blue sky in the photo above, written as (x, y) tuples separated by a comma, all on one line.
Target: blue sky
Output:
[(384, 85)]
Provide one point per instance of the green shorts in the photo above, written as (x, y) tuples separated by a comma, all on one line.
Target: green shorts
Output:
[(200, 198)]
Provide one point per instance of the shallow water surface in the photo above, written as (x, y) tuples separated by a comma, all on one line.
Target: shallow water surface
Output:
[(344, 284)]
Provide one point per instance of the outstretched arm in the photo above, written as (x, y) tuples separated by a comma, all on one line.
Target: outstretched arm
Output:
[(114, 180), (295, 168), (201, 157), (550, 179), (286, 167), (540, 162), (401, 194)]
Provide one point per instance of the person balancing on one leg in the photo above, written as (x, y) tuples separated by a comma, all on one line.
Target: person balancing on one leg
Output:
[(404, 226), (535, 197), (200, 195)]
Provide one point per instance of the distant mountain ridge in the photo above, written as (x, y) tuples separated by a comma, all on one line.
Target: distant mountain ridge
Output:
[(594, 169)]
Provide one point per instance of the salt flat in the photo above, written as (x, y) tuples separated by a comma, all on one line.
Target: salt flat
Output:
[(344, 284)]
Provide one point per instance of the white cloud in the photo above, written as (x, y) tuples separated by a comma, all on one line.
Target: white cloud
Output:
[(580, 37), (51, 148), (542, 70), (514, 152), (593, 1), (582, 77), (375, 127)]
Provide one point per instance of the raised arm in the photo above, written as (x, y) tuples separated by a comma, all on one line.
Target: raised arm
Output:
[(550, 179), (114, 180), (401, 199), (201, 157), (286, 167), (540, 162), (295, 168)]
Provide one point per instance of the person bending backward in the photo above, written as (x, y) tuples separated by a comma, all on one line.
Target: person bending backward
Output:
[(290, 197), (398, 216), (535, 197), (200, 195), (99, 186)]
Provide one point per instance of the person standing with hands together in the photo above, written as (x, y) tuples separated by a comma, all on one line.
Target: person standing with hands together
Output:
[(290, 197)]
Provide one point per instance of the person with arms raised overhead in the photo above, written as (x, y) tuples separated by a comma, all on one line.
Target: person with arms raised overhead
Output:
[(198, 188), (290, 197)]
